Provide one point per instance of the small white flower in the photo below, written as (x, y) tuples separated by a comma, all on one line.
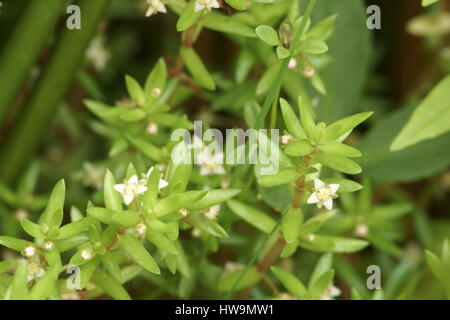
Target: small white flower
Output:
[(196, 233), (152, 128), (98, 54), (309, 72), (155, 6), (93, 175), (225, 184), (29, 251), (286, 139), (183, 212), (131, 188), (21, 214), (162, 183), (210, 164), (231, 267), (86, 254), (310, 237), (49, 245), (330, 292), (292, 63), (141, 229), (212, 212), (361, 230), (156, 92), (202, 4), (324, 194), (285, 296), (34, 271)]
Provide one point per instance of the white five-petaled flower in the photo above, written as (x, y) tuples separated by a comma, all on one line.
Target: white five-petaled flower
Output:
[(162, 183), (210, 164), (202, 4), (152, 128), (330, 292), (141, 229), (155, 6), (49, 245), (212, 212), (323, 194), (131, 188)]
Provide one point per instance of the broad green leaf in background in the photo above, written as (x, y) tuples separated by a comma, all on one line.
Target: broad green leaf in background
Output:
[(429, 120), (188, 17), (251, 278), (415, 162), (228, 24), (344, 77)]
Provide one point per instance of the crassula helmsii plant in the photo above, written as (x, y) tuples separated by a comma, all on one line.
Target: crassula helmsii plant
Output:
[(163, 206)]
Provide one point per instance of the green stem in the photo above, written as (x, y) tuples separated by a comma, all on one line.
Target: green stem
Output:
[(51, 89), (25, 43)]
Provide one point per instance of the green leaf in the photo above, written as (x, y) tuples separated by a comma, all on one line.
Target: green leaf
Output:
[(19, 289), (244, 64), (161, 241), (236, 4), (429, 120), (110, 264), (135, 91), (5, 265), (299, 148), (321, 284), (209, 226), (31, 228), (340, 149), (267, 80), (138, 253), (283, 52), (14, 243), (426, 3), (188, 17), (251, 278), (227, 24), (71, 229), (291, 120), (156, 78), (318, 84), (127, 218), (168, 205), (314, 223), (53, 258), (283, 176), (148, 149), (306, 117), (338, 163), (436, 266), (323, 265), (340, 127), (252, 216), (102, 214), (111, 196), (313, 47), (197, 68), (323, 243), (324, 29), (56, 202), (108, 284), (44, 286), (413, 163), (291, 224), (290, 282), (212, 198), (345, 185), (268, 35)]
